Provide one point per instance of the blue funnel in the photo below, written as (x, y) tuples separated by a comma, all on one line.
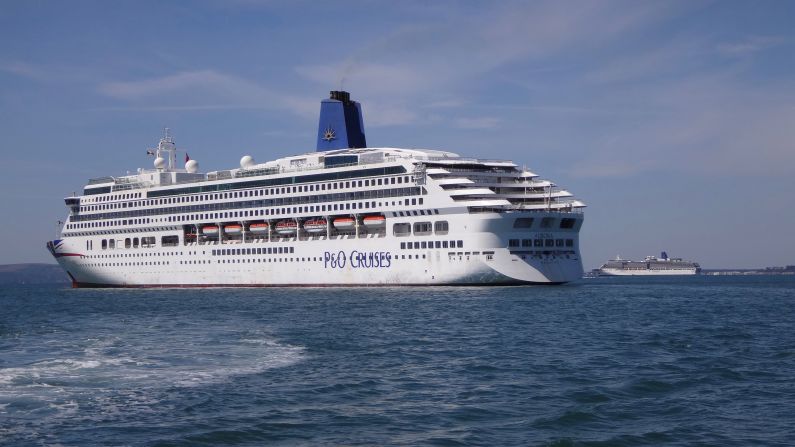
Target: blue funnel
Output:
[(341, 125)]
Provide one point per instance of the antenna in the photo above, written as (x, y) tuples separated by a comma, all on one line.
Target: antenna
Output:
[(168, 147)]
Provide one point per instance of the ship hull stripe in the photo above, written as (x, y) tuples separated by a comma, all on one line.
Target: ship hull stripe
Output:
[(82, 285)]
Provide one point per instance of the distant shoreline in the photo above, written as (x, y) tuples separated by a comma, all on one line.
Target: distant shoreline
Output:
[(32, 273)]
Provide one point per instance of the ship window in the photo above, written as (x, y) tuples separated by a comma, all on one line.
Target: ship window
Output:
[(567, 222), (416, 245), (538, 243), (558, 242), (549, 242), (460, 244), (570, 242), (413, 201), (104, 244), (547, 222), (527, 242), (401, 229), (135, 242), (523, 222), (402, 245), (422, 228), (438, 244), (424, 244), (441, 227), (127, 243), (513, 243), (169, 241)]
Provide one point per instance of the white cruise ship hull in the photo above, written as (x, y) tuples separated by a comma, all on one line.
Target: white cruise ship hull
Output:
[(670, 272), (372, 260)]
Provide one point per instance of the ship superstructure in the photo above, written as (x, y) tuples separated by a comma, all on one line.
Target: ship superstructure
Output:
[(342, 215), (651, 266)]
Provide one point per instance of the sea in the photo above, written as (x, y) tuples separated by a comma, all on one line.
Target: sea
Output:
[(687, 361)]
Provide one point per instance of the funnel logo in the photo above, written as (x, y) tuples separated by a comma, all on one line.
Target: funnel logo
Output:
[(329, 134)]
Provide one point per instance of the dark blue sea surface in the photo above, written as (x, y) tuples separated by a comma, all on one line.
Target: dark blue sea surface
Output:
[(607, 362)]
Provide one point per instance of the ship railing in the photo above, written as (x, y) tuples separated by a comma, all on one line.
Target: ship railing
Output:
[(100, 180), (466, 159), (126, 186), (275, 171)]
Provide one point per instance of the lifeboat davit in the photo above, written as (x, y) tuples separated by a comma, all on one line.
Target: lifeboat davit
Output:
[(210, 230), (374, 221), (343, 223), (315, 225), (286, 227), (258, 228), (233, 229)]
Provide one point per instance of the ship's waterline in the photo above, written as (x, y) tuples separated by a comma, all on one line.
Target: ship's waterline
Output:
[(338, 216)]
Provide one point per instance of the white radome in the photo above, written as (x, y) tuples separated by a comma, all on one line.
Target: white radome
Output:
[(160, 163), (192, 166), (246, 162)]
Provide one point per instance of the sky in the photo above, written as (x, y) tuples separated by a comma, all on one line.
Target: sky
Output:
[(673, 121)]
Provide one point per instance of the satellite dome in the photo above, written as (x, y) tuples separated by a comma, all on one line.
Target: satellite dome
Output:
[(247, 161), (160, 162), (192, 166)]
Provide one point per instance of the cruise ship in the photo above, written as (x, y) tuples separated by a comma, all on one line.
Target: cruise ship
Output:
[(651, 266), (343, 215)]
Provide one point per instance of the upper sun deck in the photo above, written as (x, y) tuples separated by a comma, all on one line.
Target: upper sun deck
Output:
[(311, 161)]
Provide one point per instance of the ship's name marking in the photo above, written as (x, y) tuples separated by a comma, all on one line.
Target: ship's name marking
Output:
[(357, 259)]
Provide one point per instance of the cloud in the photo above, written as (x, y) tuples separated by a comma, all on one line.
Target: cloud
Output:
[(750, 45), (597, 77), (485, 122), (706, 124), (24, 69), (669, 59), (206, 83), (203, 90)]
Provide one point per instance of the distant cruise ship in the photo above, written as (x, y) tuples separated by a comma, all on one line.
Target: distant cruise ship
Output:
[(344, 215), (650, 266)]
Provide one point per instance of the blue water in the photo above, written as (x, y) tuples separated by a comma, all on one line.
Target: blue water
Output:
[(609, 361)]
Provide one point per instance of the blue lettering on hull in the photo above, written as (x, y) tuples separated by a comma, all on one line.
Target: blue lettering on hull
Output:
[(357, 259)]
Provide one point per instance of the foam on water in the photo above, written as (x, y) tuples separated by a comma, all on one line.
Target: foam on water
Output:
[(129, 372)]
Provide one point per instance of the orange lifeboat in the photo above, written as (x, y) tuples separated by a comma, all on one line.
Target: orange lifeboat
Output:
[(374, 221), (315, 225), (258, 228), (210, 230), (233, 229), (343, 223), (286, 227)]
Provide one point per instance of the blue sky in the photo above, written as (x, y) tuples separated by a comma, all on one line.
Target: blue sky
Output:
[(673, 121)]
